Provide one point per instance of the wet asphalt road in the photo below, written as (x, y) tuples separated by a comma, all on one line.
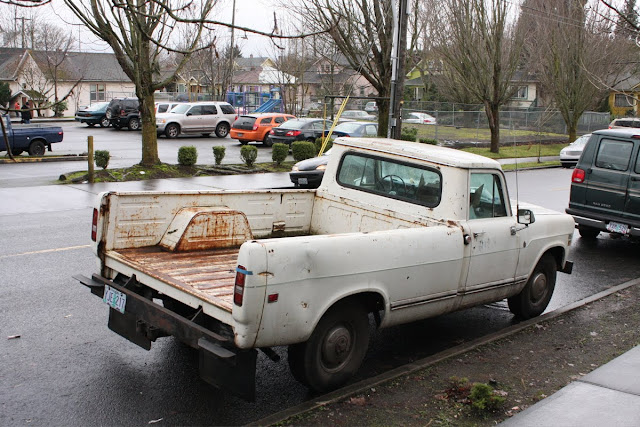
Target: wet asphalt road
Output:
[(68, 369)]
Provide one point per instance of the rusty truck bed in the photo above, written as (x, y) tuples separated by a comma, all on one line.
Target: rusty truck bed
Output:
[(208, 274)]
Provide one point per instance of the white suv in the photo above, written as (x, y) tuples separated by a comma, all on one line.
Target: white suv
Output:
[(197, 118)]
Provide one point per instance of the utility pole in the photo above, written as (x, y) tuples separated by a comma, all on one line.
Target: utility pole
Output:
[(398, 57), (232, 50)]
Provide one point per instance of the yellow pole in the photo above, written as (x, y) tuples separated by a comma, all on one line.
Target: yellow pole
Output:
[(90, 157)]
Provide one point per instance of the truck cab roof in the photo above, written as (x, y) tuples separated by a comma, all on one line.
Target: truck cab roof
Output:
[(432, 153)]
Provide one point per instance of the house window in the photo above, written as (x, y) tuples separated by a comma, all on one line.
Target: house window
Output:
[(624, 100), (97, 93), (521, 93)]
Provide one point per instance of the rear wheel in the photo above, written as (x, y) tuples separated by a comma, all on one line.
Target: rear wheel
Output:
[(335, 349), (222, 130), (266, 140), (172, 130), (134, 124), (588, 232), (16, 152), (535, 296), (36, 148)]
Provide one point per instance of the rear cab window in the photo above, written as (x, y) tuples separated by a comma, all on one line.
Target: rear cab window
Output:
[(391, 178)]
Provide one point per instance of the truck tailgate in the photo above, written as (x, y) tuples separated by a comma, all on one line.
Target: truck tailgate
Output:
[(207, 275)]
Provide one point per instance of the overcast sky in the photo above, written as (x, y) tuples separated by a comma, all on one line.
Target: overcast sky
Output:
[(257, 14)]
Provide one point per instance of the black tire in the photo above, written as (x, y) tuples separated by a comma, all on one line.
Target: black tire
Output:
[(295, 357), (16, 152), (117, 126), (588, 232), (222, 130), (104, 122), (535, 296), (266, 141), (335, 349), (243, 142), (36, 148), (133, 124), (172, 130)]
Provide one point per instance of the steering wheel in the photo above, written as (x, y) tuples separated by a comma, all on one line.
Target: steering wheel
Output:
[(394, 184)]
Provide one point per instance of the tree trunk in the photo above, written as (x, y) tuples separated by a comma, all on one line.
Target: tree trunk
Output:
[(149, 135), (572, 130), (493, 116), (383, 114)]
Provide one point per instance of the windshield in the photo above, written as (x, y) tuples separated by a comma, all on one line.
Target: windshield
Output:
[(580, 142), (98, 106), (294, 124), (180, 109), (348, 127)]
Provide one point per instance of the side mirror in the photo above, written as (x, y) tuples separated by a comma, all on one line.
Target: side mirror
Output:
[(526, 217), (188, 114)]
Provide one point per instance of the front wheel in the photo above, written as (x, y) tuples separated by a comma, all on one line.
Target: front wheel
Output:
[(36, 148), (104, 122), (222, 130), (535, 296), (172, 130), (335, 349)]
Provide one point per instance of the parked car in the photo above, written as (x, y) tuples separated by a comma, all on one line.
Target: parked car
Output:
[(624, 123), (305, 129), (256, 127), (605, 185), (124, 112), (95, 114), (32, 139), (357, 115), (355, 129), (419, 118), (309, 172), (197, 118), (570, 154), (371, 107)]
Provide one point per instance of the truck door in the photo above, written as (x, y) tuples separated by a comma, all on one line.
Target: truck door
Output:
[(193, 120), (632, 203), (494, 243), (608, 177)]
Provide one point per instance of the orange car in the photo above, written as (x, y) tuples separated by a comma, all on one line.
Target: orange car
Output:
[(256, 127)]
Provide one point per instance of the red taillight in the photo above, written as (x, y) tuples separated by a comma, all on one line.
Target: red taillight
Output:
[(255, 126), (238, 288), (122, 113), (94, 225), (293, 133), (271, 132), (578, 176)]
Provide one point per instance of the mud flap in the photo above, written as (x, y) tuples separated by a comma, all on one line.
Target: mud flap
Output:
[(125, 324), (234, 371)]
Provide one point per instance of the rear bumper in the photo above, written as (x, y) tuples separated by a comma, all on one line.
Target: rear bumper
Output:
[(143, 321), (599, 222)]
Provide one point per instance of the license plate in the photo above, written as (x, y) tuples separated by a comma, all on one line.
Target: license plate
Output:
[(616, 227), (240, 134), (114, 298), (303, 181)]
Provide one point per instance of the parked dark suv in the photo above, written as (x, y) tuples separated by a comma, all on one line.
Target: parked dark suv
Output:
[(124, 112), (605, 185)]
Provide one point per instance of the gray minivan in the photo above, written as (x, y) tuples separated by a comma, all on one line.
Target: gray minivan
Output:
[(605, 185)]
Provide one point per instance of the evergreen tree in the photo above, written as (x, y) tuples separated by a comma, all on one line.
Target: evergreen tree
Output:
[(627, 24)]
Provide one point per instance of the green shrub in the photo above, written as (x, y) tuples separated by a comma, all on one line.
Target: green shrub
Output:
[(279, 152), (101, 158), (318, 145), (409, 134), (218, 153), (483, 399), (430, 141), (187, 155), (248, 154), (302, 150)]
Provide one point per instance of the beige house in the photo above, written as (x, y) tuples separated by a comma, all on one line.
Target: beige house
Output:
[(79, 78)]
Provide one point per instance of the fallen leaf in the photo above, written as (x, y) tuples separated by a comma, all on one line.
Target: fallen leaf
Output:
[(155, 421), (13, 337), (360, 401), (594, 334)]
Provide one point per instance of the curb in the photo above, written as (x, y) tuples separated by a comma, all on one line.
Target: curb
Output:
[(363, 385), (70, 158)]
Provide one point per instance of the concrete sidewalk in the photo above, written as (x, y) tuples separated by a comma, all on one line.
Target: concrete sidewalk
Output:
[(608, 396)]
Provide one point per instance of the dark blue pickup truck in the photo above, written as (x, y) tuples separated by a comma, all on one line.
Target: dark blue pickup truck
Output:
[(30, 138)]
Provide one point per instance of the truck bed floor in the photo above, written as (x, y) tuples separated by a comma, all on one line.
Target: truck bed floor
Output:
[(208, 275)]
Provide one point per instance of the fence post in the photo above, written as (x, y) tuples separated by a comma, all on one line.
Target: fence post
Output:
[(90, 157), (437, 124)]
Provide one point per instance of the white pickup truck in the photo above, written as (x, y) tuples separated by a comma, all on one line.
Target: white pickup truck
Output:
[(397, 230)]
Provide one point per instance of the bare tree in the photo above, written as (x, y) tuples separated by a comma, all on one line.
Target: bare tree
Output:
[(575, 56), (480, 51), (139, 32), (363, 33)]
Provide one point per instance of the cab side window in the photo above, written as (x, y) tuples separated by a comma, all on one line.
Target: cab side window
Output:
[(486, 196), (614, 155), (266, 121)]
